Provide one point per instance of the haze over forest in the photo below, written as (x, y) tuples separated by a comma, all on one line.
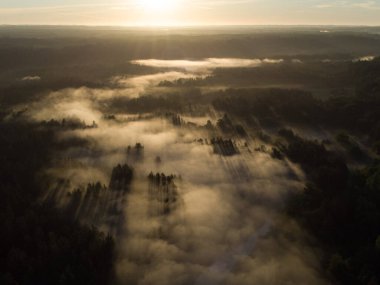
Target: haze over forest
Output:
[(222, 154)]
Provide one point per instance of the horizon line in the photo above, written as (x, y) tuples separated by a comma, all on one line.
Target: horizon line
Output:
[(188, 25)]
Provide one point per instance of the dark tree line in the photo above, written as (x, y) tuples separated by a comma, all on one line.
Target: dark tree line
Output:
[(136, 153), (225, 147), (226, 125), (163, 193), (121, 178), (38, 243), (341, 207), (271, 107), (68, 124)]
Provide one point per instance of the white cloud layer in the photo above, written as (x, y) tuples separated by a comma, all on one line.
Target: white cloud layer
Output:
[(31, 78), (206, 64)]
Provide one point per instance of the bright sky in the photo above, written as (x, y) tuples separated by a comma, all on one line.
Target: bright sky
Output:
[(190, 12)]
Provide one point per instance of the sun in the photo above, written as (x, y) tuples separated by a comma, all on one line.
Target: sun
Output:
[(158, 5)]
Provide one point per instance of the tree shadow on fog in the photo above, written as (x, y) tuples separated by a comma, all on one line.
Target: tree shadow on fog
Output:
[(249, 182), (103, 205), (95, 204)]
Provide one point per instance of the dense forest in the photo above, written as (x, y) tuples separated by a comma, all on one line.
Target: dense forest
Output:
[(39, 244), (225, 156), (341, 207)]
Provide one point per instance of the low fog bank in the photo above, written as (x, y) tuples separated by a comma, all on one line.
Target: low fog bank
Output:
[(226, 221), (194, 181), (206, 64), (226, 229)]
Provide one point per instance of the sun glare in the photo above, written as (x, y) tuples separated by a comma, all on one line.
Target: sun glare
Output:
[(158, 5)]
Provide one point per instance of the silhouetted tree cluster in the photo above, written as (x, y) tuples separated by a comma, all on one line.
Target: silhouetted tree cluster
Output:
[(121, 178), (176, 120), (224, 147), (163, 190), (226, 125), (209, 126), (277, 154), (136, 153), (69, 124), (158, 160), (84, 202)]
